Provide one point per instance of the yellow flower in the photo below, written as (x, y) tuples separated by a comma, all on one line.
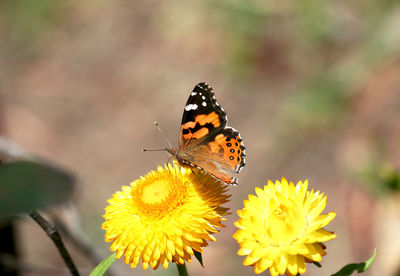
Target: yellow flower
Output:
[(281, 228), (165, 216)]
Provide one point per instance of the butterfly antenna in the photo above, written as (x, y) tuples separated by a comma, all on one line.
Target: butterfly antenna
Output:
[(162, 133)]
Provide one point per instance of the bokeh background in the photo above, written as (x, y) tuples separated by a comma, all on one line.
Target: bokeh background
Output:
[(313, 86)]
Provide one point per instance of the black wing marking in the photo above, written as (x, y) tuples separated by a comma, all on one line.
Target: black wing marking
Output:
[(202, 101)]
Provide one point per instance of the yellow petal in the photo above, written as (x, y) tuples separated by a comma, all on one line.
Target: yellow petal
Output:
[(249, 260), (282, 263)]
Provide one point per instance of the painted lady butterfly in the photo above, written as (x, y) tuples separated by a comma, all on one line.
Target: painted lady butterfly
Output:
[(205, 140)]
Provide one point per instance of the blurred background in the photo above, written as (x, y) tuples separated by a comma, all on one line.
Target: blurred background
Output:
[(313, 86)]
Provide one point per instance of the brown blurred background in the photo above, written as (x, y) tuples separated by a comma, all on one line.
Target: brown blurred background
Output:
[(313, 86)]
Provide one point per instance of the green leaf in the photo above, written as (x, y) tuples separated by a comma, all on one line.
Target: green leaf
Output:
[(102, 267), (360, 267), (317, 264), (199, 257), (26, 185), (369, 262)]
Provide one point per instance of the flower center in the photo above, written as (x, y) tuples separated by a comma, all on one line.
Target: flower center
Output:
[(285, 224), (281, 212), (155, 192), (154, 197)]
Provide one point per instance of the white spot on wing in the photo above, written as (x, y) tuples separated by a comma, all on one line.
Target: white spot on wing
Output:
[(191, 107), (203, 97), (204, 104), (193, 93)]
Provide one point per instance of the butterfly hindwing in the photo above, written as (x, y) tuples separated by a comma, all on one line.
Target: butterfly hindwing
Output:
[(228, 143)]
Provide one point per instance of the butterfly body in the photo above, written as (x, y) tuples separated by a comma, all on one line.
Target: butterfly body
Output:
[(205, 140)]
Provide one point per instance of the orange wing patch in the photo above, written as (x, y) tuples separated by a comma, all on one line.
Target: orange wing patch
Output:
[(202, 119), (216, 145), (189, 125), (197, 135), (200, 133), (229, 146), (209, 118)]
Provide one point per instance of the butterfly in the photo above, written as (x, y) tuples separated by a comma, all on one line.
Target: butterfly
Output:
[(205, 140)]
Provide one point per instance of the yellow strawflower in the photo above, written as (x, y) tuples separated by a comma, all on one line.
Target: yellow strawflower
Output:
[(165, 216), (280, 229)]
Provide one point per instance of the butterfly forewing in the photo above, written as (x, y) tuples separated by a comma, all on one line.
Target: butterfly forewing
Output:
[(202, 115)]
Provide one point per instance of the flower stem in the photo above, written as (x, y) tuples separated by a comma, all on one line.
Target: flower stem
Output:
[(182, 270), (53, 234)]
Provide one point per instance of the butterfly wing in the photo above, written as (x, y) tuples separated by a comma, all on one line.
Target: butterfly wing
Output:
[(222, 156), (202, 115), (205, 139)]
